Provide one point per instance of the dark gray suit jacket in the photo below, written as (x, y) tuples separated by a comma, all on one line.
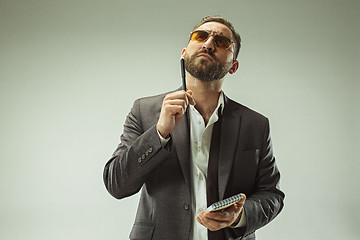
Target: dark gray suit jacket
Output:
[(246, 165)]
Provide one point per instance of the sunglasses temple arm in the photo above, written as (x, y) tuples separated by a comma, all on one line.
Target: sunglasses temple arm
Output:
[(182, 63)]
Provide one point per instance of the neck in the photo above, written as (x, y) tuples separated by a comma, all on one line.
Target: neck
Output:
[(206, 95)]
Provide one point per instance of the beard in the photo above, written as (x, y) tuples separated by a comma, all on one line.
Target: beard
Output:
[(204, 69)]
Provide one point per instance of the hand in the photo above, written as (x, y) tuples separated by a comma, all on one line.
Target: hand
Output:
[(221, 219), (172, 110)]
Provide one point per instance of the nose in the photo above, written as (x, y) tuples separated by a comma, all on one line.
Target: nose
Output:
[(209, 44)]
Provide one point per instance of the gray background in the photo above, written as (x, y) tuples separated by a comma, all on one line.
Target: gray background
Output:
[(70, 70)]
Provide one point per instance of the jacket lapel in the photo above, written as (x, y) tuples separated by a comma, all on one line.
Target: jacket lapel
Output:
[(181, 140), (229, 139), (231, 120)]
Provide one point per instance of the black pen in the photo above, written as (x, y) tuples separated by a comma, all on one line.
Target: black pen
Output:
[(182, 63)]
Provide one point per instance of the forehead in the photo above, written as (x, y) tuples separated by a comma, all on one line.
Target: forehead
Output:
[(216, 27)]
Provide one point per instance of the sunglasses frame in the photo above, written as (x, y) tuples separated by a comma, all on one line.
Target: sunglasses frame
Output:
[(214, 35)]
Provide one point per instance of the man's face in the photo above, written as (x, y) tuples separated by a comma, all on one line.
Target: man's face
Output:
[(205, 60)]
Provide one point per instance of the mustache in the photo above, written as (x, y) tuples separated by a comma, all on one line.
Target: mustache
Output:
[(207, 52)]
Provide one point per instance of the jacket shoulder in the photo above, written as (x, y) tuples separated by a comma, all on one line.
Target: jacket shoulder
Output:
[(153, 99), (147, 109), (245, 111), (150, 104)]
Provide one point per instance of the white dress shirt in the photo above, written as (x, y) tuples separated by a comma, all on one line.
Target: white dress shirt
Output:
[(200, 141)]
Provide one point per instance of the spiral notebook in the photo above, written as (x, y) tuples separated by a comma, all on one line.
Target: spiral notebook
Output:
[(227, 202)]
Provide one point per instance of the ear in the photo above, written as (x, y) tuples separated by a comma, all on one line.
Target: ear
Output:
[(183, 53), (234, 67)]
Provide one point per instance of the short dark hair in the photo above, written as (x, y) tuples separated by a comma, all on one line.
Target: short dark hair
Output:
[(228, 24)]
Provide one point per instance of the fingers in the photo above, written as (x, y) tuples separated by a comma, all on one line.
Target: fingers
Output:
[(189, 95), (241, 202), (221, 219), (181, 95), (177, 102), (173, 108), (221, 216), (211, 224)]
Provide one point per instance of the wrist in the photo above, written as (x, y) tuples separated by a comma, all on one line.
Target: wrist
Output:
[(162, 133)]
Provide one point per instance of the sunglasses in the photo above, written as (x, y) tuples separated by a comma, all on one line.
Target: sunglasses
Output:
[(220, 40)]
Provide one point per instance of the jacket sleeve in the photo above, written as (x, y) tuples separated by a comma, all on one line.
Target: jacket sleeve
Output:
[(266, 202), (136, 156)]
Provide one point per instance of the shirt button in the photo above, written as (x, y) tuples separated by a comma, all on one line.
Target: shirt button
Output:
[(201, 209), (201, 177), (186, 206)]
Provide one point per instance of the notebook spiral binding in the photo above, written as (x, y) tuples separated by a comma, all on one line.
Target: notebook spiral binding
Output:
[(227, 202)]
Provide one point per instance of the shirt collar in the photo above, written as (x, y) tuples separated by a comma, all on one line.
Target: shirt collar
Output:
[(220, 103), (215, 115)]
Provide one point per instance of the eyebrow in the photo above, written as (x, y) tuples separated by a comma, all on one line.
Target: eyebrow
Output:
[(211, 31)]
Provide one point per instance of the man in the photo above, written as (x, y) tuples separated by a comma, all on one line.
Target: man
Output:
[(188, 149)]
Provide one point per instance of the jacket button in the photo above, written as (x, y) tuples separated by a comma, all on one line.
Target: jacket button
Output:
[(143, 157), (150, 150), (139, 159), (186, 206)]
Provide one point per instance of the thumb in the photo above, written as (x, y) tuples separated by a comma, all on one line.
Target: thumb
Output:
[(241, 202)]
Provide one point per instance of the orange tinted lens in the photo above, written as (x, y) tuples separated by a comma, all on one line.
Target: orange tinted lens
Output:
[(199, 36), (222, 41)]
